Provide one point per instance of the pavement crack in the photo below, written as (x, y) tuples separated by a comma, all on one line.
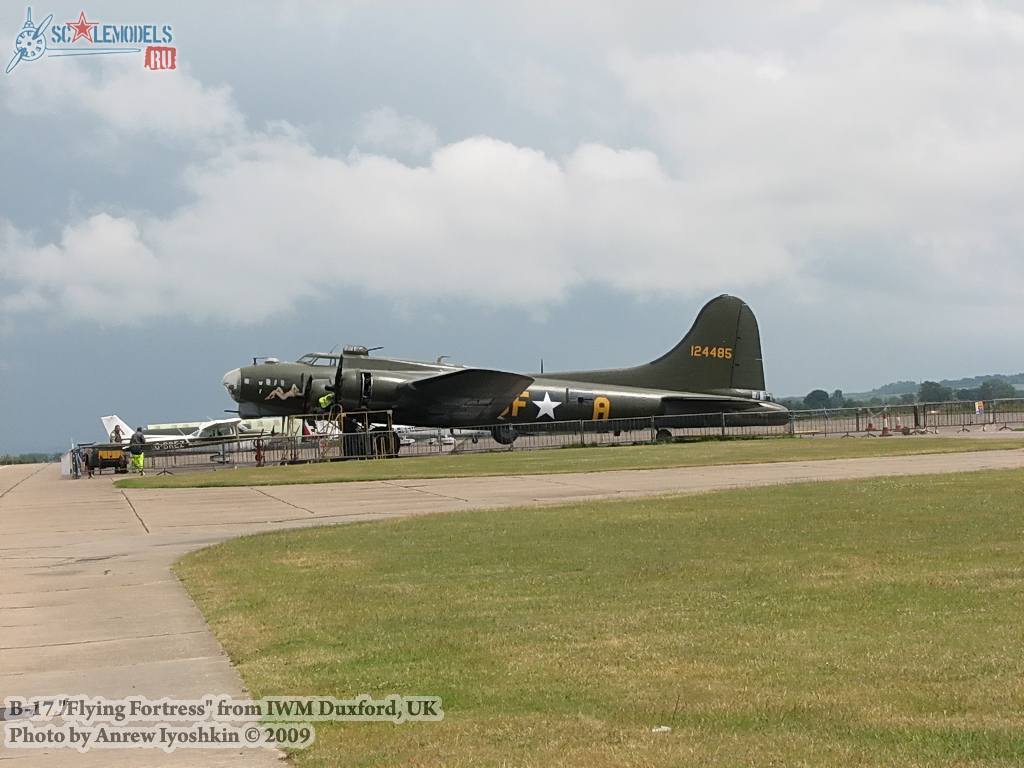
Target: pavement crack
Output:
[(136, 513), (421, 490), (186, 526), (102, 640), (26, 477), (552, 481), (277, 498), (95, 559)]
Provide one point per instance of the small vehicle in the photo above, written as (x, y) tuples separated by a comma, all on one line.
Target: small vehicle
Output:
[(109, 456)]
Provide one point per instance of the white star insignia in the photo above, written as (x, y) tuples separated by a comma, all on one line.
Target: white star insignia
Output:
[(546, 407)]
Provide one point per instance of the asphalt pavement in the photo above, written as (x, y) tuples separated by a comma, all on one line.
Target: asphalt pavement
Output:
[(89, 604)]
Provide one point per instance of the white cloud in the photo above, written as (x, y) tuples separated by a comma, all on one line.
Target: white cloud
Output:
[(99, 270), (896, 127), (884, 155), (118, 94), (274, 222), (387, 131)]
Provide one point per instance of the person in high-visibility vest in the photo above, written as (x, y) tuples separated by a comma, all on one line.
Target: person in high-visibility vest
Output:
[(327, 400), (135, 447)]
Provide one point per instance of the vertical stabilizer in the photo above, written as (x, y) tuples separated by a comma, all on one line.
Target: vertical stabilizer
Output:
[(722, 351)]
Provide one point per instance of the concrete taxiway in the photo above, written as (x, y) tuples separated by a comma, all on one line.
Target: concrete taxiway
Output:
[(89, 604)]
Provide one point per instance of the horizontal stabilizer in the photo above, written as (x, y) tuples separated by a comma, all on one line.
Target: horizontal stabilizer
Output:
[(703, 397), (469, 396), (697, 402)]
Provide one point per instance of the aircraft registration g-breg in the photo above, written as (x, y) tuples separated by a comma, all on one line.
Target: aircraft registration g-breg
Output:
[(716, 368)]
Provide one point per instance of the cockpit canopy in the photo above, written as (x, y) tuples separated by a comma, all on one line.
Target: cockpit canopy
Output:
[(320, 358)]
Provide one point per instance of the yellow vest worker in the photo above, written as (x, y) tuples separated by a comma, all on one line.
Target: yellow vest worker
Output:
[(135, 447)]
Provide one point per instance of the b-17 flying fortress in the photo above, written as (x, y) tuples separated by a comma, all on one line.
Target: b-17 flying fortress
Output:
[(716, 368)]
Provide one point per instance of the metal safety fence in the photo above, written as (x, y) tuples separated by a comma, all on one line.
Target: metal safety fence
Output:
[(322, 440)]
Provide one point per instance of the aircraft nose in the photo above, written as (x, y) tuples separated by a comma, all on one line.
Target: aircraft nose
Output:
[(232, 382)]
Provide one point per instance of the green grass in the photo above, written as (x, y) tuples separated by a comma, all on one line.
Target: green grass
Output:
[(573, 460), (864, 623)]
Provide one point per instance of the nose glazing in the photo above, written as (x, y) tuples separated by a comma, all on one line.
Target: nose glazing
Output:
[(232, 382)]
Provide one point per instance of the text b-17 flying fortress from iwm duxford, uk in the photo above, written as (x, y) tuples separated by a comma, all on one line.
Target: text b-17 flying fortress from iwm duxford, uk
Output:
[(530, 500)]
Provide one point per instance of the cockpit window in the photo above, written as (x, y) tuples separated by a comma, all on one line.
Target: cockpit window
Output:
[(318, 359)]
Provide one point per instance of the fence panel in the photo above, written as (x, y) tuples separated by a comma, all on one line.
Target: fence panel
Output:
[(329, 443)]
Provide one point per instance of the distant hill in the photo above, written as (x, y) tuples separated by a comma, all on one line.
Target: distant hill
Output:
[(1017, 379), (904, 387), (895, 388)]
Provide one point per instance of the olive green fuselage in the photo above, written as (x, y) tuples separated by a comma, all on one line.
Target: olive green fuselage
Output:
[(715, 368), (281, 389)]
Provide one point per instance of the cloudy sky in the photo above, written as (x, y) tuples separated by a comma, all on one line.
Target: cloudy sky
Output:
[(504, 183)]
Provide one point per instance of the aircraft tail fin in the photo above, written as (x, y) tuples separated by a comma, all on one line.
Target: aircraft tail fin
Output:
[(109, 422), (721, 351)]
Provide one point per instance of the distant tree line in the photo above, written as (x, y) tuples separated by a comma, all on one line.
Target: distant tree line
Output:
[(927, 392), (990, 389), (28, 458)]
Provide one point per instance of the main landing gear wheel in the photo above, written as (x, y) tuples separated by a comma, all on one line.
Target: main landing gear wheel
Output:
[(663, 436), (504, 435)]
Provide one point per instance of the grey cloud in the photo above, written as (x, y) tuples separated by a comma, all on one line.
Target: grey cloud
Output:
[(385, 130)]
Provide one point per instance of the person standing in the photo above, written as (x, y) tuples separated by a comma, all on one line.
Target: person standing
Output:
[(136, 447), (85, 462)]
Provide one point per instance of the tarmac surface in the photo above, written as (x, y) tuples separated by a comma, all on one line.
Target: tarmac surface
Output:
[(89, 604)]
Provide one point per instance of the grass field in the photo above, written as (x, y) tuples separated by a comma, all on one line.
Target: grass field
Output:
[(573, 460), (855, 623)]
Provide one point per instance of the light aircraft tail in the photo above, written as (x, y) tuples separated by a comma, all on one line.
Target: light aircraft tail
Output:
[(109, 422), (721, 352)]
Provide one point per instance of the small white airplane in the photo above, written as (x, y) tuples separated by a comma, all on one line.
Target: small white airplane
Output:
[(438, 436), (205, 432)]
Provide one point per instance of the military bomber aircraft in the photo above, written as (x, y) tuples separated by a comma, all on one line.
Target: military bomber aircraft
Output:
[(716, 368)]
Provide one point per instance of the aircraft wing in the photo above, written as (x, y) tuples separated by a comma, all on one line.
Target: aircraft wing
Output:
[(469, 396), (212, 428)]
